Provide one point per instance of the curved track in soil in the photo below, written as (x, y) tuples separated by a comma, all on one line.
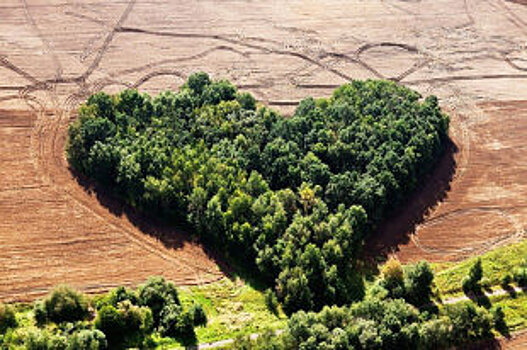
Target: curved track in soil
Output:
[(53, 54)]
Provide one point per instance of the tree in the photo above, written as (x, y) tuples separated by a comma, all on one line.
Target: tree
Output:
[(126, 325), (198, 315), (469, 323), (520, 276), (393, 277), (197, 82), (62, 305), (293, 287), (247, 101), (7, 318), (418, 283), (271, 302), (104, 104), (471, 283), (498, 318), (156, 293)]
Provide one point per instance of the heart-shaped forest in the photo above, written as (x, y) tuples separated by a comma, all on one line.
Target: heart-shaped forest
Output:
[(293, 198)]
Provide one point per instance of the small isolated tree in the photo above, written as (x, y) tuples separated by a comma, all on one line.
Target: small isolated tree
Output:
[(520, 276), (198, 315), (498, 317), (64, 304), (271, 301), (7, 318), (418, 283), (506, 281), (471, 283)]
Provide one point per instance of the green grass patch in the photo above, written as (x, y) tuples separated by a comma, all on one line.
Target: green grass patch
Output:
[(515, 309), (496, 264), (233, 309)]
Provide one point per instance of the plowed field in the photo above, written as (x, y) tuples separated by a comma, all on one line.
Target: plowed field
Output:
[(54, 53)]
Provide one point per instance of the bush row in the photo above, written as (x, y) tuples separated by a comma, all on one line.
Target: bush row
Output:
[(123, 318)]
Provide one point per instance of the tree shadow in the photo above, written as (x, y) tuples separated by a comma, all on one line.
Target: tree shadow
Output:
[(479, 297), (510, 290), (398, 227), (487, 344), (173, 234)]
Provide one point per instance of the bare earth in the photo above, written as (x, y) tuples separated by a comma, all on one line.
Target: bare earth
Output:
[(53, 54)]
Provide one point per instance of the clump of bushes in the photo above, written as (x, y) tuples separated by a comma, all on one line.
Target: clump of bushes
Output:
[(383, 323), (125, 325), (7, 318), (413, 283), (124, 318), (64, 304), (128, 317)]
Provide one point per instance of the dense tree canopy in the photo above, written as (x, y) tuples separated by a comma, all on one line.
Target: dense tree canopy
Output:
[(296, 196)]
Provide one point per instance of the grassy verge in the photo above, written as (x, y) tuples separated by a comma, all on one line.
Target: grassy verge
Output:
[(515, 309), (233, 308), (496, 264)]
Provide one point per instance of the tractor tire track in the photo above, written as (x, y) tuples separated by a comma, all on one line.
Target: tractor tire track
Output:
[(44, 40), (53, 167), (109, 38)]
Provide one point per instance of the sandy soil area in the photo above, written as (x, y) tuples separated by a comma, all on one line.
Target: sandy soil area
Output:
[(54, 53)]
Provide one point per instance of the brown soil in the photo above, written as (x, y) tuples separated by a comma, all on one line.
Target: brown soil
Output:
[(53, 54)]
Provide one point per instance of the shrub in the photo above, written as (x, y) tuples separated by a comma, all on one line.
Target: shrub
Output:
[(393, 277), (520, 276), (7, 318), (126, 325), (62, 305), (498, 318), (156, 293), (36, 339), (271, 302), (506, 281), (198, 315), (87, 340)]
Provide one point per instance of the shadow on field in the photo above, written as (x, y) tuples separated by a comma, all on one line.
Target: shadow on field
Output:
[(173, 235), (489, 344), (401, 224)]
